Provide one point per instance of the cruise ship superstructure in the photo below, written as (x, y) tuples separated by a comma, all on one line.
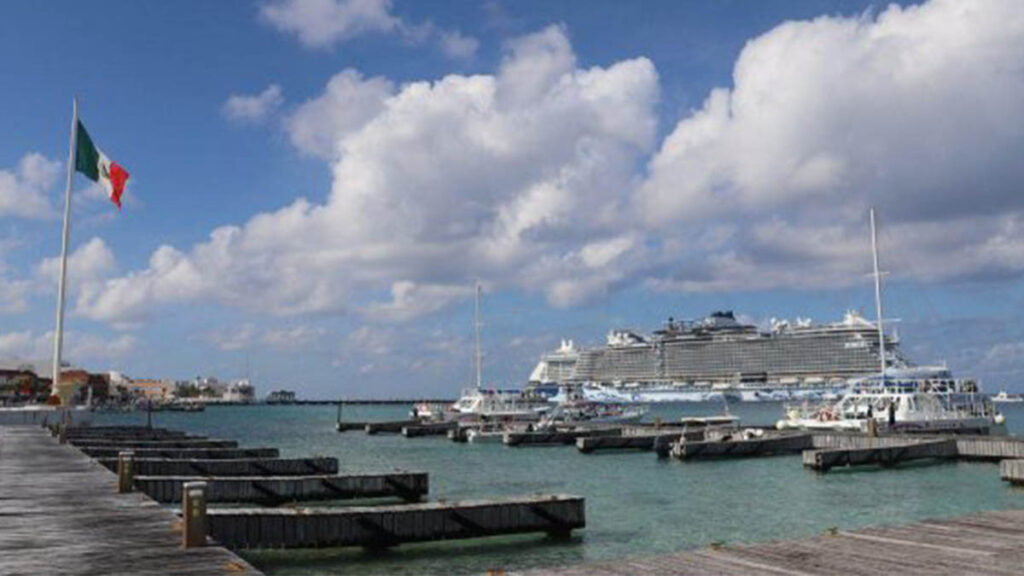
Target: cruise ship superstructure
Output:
[(719, 355)]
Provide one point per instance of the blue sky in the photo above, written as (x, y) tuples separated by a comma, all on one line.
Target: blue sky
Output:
[(315, 184)]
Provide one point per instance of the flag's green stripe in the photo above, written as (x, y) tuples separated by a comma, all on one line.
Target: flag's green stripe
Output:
[(87, 158)]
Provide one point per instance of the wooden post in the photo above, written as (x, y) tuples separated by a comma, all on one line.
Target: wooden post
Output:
[(62, 433), (125, 471), (193, 512)]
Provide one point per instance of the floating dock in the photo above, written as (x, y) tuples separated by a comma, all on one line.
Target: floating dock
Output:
[(766, 446), (205, 453), (429, 429), (62, 515), (173, 442), (556, 437), (825, 459), (393, 427), (233, 467), (275, 490), (386, 526), (591, 444), (1012, 471)]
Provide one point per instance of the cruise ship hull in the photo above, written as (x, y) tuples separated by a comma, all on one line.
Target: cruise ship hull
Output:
[(667, 394)]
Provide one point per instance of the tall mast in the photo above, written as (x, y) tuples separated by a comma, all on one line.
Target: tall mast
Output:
[(58, 335), (476, 329), (878, 293)]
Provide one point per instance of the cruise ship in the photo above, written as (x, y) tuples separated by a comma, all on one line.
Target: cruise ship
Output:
[(719, 356)]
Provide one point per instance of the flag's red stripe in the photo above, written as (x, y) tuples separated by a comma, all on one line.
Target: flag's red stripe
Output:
[(118, 178)]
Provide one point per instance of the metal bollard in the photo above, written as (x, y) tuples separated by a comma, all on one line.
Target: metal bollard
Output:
[(193, 514), (125, 471)]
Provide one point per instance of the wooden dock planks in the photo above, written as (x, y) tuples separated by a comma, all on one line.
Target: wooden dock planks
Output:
[(275, 490), (990, 543), (384, 526), (62, 515)]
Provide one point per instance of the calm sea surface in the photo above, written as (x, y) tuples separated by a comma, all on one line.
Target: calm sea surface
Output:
[(636, 504)]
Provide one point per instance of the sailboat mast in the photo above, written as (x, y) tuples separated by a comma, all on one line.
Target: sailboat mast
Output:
[(476, 329), (878, 293)]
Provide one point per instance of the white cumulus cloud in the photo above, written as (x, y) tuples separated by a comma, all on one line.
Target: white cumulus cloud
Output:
[(918, 110), (253, 109), (503, 177), (321, 24), (24, 190)]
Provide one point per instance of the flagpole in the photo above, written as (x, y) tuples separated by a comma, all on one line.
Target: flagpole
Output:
[(58, 336)]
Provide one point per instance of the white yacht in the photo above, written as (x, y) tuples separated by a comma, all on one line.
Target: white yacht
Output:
[(912, 399), (1004, 398), (493, 405)]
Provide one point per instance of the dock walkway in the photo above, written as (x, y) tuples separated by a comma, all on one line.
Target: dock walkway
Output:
[(990, 543), (61, 514)]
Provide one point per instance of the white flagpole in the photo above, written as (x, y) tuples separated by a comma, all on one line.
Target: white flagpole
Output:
[(58, 336)]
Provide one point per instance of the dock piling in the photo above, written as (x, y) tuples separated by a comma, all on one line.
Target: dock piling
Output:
[(193, 511), (125, 471)]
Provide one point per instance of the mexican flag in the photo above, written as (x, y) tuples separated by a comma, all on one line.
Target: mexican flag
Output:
[(92, 162)]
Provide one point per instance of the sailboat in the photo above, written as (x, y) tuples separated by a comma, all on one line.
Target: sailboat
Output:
[(919, 399), (492, 405)]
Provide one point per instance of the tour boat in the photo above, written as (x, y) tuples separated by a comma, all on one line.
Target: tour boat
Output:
[(923, 399)]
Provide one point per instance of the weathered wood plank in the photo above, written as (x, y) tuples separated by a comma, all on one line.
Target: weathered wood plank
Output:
[(825, 459), (384, 526), (206, 453), (229, 467), (62, 515), (410, 486)]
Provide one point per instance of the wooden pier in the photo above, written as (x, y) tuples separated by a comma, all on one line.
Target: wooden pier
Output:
[(429, 429), (1012, 471), (393, 427), (591, 444), (275, 490), (136, 444), (61, 514), (766, 446), (889, 455), (232, 467), (205, 453), (986, 543), (556, 437), (386, 526), (139, 432)]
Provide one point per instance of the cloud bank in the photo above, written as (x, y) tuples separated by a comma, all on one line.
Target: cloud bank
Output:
[(547, 176)]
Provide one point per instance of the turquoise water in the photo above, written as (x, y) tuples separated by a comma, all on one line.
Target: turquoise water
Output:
[(636, 504)]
